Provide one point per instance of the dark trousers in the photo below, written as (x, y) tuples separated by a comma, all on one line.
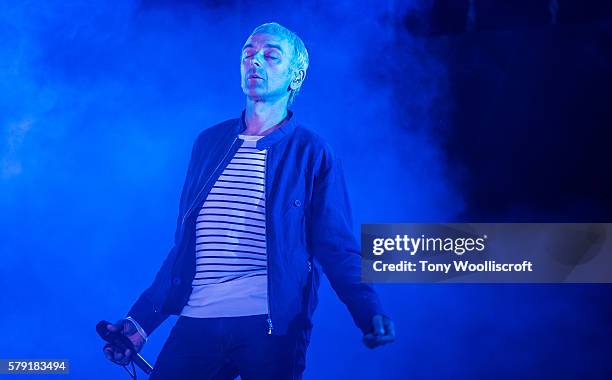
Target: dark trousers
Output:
[(223, 348)]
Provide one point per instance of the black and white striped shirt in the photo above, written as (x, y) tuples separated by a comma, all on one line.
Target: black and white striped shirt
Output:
[(231, 263)]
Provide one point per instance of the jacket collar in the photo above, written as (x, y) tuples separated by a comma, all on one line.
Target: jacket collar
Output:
[(287, 127)]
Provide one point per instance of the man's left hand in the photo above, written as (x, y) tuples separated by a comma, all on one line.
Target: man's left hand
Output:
[(383, 333)]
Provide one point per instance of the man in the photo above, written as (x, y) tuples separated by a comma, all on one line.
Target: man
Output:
[(263, 209)]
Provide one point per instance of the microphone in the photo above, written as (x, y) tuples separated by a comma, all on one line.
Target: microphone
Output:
[(122, 342)]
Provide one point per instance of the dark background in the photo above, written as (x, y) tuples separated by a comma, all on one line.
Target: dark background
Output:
[(529, 124)]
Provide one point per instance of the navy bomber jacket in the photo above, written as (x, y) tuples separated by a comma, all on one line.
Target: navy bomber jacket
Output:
[(308, 228)]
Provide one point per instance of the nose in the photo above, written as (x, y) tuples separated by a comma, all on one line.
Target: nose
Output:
[(255, 61), (252, 65), (257, 58)]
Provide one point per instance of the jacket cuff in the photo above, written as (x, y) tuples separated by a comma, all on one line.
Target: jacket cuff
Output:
[(138, 327), (363, 318), (148, 316)]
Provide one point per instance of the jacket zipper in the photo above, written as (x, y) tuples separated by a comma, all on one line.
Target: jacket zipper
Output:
[(192, 206), (267, 191)]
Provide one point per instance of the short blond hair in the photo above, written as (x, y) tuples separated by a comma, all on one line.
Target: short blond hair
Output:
[(300, 54)]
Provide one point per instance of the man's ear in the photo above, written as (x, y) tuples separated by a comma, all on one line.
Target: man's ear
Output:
[(298, 79)]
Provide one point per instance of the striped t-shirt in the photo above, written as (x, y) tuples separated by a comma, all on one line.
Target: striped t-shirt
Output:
[(231, 261)]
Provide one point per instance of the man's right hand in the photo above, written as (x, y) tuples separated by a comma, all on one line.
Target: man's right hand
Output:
[(127, 328)]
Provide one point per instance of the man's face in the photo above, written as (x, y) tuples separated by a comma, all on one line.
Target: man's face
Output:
[(265, 68)]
